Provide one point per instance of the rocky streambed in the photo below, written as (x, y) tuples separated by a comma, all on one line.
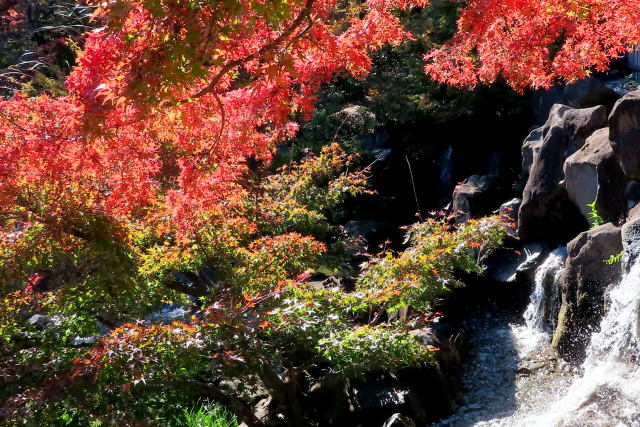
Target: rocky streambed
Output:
[(511, 373)]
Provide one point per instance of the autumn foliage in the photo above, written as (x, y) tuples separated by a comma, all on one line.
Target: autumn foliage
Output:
[(148, 183), (535, 43)]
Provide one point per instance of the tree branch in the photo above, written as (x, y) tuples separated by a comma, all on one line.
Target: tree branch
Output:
[(210, 87)]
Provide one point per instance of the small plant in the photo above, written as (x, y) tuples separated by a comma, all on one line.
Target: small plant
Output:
[(614, 258), (209, 415), (596, 218)]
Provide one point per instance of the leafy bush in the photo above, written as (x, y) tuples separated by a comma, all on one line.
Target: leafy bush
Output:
[(261, 320)]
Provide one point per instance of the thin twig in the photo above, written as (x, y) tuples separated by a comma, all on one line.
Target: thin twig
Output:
[(413, 184)]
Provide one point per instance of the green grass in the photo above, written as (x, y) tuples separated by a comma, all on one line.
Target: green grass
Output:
[(208, 415)]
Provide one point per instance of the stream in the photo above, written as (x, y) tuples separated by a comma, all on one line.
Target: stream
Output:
[(513, 378)]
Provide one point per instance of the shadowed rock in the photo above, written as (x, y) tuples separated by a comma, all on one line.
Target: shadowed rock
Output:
[(624, 132), (547, 213)]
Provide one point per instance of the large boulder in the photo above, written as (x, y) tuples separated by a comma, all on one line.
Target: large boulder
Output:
[(546, 212), (588, 92), (475, 197), (624, 132), (583, 285), (593, 173)]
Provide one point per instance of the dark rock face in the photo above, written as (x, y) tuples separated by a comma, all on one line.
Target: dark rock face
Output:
[(594, 173), (509, 273), (632, 196), (583, 285), (584, 93), (475, 197), (624, 132), (547, 213), (328, 399)]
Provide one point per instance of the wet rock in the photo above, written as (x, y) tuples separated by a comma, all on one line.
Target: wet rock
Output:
[(377, 397), (189, 283), (108, 320), (399, 420), (475, 197), (500, 264), (435, 389), (424, 393), (544, 301), (509, 272), (593, 173), (546, 212), (525, 274), (534, 255), (631, 243), (583, 287), (624, 132)]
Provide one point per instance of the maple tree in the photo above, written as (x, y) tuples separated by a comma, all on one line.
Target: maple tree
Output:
[(148, 180), (147, 183), (533, 43)]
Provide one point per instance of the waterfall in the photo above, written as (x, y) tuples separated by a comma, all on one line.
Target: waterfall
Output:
[(541, 313), (505, 356), (445, 177), (520, 383), (495, 163), (608, 392)]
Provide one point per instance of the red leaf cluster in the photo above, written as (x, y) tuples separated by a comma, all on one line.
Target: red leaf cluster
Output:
[(532, 43)]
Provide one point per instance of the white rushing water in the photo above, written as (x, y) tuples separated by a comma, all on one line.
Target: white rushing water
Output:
[(511, 372), (608, 392), (543, 305)]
